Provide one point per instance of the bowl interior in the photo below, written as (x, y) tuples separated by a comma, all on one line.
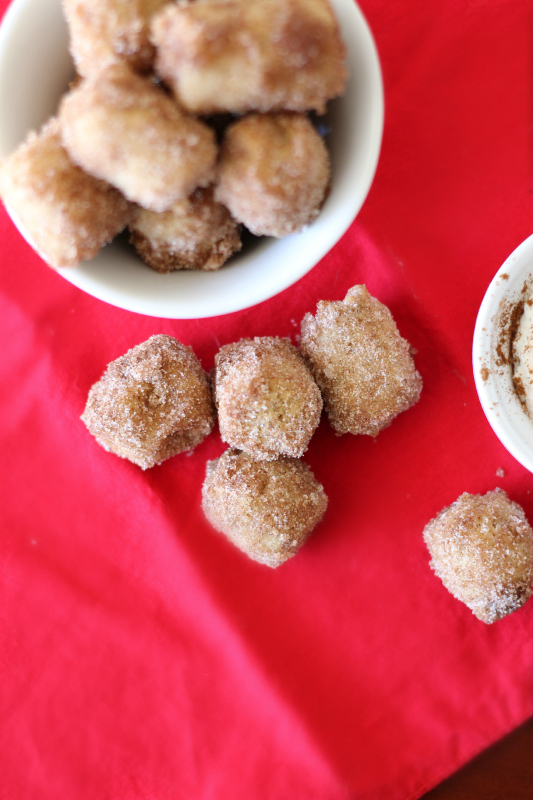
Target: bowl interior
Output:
[(117, 275), (503, 409)]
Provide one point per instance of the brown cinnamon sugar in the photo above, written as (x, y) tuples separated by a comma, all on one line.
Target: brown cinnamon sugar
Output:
[(508, 326)]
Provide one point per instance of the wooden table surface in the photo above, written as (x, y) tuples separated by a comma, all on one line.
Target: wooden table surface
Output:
[(503, 772)]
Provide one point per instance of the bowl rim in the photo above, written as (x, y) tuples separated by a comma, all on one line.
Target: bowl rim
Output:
[(196, 295), (500, 403)]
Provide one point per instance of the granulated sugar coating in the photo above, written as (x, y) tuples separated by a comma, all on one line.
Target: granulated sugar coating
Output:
[(68, 214), (364, 368), (273, 173), (102, 31), (151, 403), (196, 233), (238, 56), (267, 509), (482, 549), (268, 403), (123, 129)]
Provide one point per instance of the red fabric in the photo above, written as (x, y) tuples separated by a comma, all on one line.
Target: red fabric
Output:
[(141, 655)]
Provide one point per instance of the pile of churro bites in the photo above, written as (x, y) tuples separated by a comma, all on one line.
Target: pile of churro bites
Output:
[(187, 122), (156, 401)]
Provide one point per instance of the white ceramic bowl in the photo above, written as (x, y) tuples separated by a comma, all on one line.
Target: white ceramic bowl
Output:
[(35, 69), (505, 413)]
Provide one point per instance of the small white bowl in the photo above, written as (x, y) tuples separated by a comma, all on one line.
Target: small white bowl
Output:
[(35, 70), (494, 384)]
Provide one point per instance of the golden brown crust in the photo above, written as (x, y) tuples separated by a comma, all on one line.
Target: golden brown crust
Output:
[(481, 548), (267, 509), (120, 127), (104, 31), (196, 233), (239, 56), (364, 368), (152, 403), (273, 173), (68, 214), (268, 403)]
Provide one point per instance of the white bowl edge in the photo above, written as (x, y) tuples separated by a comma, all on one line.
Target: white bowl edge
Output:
[(500, 403)]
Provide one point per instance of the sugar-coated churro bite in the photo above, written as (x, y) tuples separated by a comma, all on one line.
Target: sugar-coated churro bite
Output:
[(123, 129), (267, 509), (238, 56), (196, 233), (152, 403), (268, 403), (273, 173), (68, 214), (102, 31), (481, 548), (364, 368)]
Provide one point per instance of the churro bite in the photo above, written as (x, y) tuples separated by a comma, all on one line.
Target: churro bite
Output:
[(104, 31), (239, 56), (68, 214), (123, 129), (267, 509), (196, 233), (152, 403), (268, 403), (364, 368), (273, 173), (481, 548)]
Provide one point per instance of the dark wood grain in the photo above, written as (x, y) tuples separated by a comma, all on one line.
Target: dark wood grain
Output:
[(503, 772)]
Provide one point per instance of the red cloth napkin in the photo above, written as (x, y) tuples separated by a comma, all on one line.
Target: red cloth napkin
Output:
[(141, 655)]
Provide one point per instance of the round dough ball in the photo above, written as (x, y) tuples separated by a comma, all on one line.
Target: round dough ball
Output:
[(273, 173), (152, 403), (268, 402), (238, 56), (481, 548), (364, 368), (123, 129), (68, 214), (267, 509), (196, 233), (102, 31)]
